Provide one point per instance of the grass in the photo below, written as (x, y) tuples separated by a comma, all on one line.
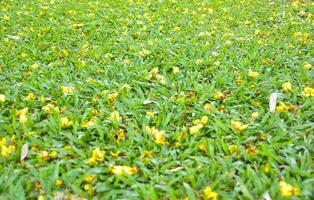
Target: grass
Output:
[(156, 99)]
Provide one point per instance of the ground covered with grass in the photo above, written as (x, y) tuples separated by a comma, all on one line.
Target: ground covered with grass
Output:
[(156, 99)]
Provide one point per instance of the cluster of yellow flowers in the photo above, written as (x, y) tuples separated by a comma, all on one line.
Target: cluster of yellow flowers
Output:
[(288, 190), (210, 194), (282, 107), (7, 149), (155, 76), (198, 125), (22, 115), (159, 136), (65, 122), (122, 170), (238, 126), (98, 155)]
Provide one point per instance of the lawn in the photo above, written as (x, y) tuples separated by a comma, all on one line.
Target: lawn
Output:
[(156, 99)]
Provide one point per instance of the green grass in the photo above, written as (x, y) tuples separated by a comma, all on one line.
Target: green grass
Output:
[(102, 48)]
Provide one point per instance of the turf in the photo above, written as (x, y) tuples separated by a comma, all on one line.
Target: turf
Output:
[(156, 99)]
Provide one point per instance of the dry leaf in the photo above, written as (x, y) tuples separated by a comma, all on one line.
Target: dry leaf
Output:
[(266, 196), (273, 102), (24, 151)]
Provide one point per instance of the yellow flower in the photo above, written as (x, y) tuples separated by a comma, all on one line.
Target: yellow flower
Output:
[(204, 120), (30, 97), (59, 182), (308, 92), (89, 123), (233, 148), (287, 87), (175, 70), (97, 156), (199, 61), (150, 113), (113, 96), (90, 179), (195, 129), (288, 190), (252, 74), (208, 107), (67, 90), (254, 114), (266, 168), (7, 150), (238, 126), (159, 136), (120, 135), (22, 112), (115, 117), (210, 194), (282, 107), (35, 66), (23, 119), (49, 108), (307, 65), (43, 155), (219, 95), (53, 154), (3, 141), (88, 188), (122, 170), (202, 147), (2, 98), (65, 122)]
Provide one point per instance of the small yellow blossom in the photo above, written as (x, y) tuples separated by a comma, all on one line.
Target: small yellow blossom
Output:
[(238, 126), (43, 155), (67, 90), (159, 136), (49, 108), (23, 119), (89, 123), (122, 170), (208, 107), (7, 150), (53, 154), (219, 95), (30, 97), (175, 70), (239, 80), (210, 194), (115, 154), (254, 114), (22, 112), (120, 135), (115, 117), (97, 156), (3, 141), (195, 129), (90, 179), (233, 148), (59, 182), (266, 168), (65, 122), (252, 74), (113, 96), (287, 87), (150, 113), (307, 65), (282, 107), (308, 92), (204, 120), (88, 188), (2, 98), (288, 190), (199, 61), (35, 66), (202, 147)]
